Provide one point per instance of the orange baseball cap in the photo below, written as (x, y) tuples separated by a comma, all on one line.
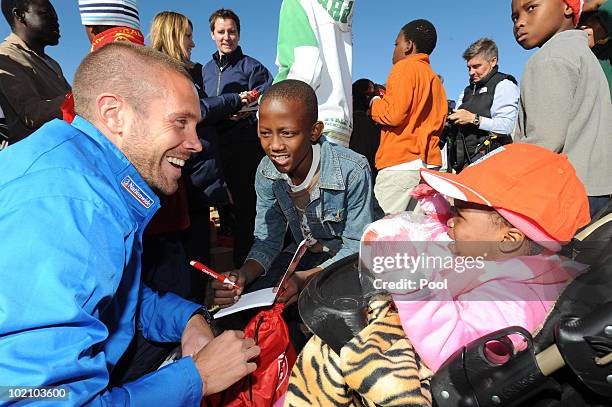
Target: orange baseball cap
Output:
[(527, 180)]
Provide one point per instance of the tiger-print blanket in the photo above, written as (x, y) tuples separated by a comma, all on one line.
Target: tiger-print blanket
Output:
[(378, 367)]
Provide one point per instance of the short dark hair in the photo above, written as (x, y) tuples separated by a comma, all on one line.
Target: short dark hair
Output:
[(484, 47), (9, 5), (294, 90), (423, 34), (225, 14)]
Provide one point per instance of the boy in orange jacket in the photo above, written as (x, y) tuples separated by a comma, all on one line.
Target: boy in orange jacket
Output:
[(412, 113)]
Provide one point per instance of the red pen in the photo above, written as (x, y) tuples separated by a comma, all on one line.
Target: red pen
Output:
[(213, 274)]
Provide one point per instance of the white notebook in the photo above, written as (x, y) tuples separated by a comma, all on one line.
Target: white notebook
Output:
[(260, 298), (266, 296)]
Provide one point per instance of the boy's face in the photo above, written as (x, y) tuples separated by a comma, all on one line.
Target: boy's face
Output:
[(536, 21), (401, 48), (286, 135)]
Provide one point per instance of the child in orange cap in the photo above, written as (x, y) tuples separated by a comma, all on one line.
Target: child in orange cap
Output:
[(513, 208), (565, 99)]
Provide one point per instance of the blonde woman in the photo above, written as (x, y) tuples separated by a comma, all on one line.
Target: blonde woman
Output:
[(172, 34)]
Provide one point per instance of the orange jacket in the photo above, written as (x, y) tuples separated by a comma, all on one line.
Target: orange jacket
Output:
[(412, 113)]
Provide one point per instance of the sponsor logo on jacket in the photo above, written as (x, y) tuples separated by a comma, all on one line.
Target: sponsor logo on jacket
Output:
[(137, 192)]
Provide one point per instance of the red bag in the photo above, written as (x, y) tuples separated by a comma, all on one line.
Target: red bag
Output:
[(270, 381)]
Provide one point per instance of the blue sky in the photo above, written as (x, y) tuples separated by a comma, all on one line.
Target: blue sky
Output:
[(375, 26)]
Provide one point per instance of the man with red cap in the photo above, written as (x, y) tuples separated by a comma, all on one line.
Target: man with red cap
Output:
[(106, 21), (565, 101)]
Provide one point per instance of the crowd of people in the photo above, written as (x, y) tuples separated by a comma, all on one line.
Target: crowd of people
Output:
[(106, 186)]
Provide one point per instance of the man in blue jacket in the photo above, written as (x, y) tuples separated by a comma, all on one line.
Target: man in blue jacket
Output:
[(76, 199), (231, 72)]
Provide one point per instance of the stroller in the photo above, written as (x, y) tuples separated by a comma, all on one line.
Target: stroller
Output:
[(568, 363)]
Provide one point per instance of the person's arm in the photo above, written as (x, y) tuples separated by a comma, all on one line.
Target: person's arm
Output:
[(21, 94), (504, 109), (260, 78), (216, 108), (547, 91), (360, 211), (392, 110), (163, 317), (270, 222), (58, 275)]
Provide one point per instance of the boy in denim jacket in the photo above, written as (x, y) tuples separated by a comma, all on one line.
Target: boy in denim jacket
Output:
[(321, 191)]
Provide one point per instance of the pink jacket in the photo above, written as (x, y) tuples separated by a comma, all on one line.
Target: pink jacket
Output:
[(515, 292)]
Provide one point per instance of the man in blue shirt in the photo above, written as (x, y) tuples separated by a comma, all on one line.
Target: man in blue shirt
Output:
[(487, 108), (76, 199)]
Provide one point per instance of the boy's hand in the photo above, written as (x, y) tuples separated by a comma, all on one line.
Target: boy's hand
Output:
[(225, 294), (291, 292), (295, 284)]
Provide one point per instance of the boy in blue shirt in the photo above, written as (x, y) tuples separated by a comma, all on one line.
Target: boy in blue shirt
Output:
[(321, 191)]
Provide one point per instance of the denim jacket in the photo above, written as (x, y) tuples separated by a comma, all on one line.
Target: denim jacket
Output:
[(341, 208)]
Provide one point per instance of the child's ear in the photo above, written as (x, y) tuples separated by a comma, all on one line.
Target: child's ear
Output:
[(315, 133), (568, 12), (409, 47), (512, 240)]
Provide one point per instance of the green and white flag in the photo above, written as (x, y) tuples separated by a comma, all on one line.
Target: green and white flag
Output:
[(315, 45)]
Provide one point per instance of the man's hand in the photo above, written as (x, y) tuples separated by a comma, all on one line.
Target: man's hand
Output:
[(592, 5), (196, 335), (249, 97), (3, 144), (462, 117), (225, 294), (225, 360)]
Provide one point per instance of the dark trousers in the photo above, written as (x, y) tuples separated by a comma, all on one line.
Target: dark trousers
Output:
[(597, 203), (140, 358), (240, 155)]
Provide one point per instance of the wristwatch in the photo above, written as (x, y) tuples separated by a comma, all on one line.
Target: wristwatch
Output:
[(476, 121), (204, 312)]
